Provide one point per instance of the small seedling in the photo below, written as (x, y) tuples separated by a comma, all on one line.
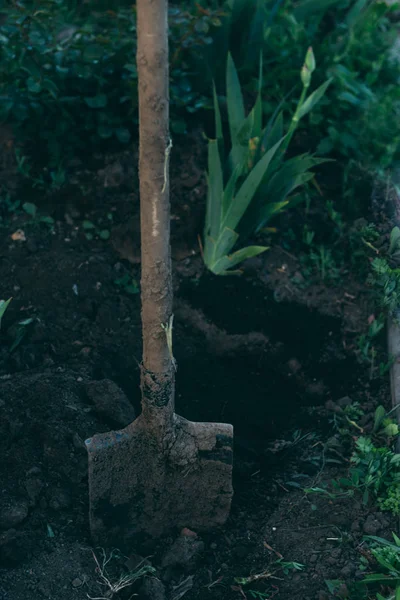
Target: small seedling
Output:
[(128, 284), (91, 231), (36, 218)]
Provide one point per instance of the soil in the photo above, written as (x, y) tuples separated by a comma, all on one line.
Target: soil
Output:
[(273, 356)]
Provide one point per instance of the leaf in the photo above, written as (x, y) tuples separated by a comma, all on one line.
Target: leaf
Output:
[(217, 116), (379, 416), (269, 210), (30, 209), (51, 87), (304, 10), (123, 135), (229, 190), (313, 99), (225, 243), (104, 234), (47, 220), (333, 585), (99, 101), (3, 307), (355, 12), (226, 263), (236, 113), (215, 188), (394, 240), (33, 85), (20, 333), (88, 225), (248, 189)]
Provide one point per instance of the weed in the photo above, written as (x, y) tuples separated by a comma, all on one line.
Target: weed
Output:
[(91, 230), (113, 585), (35, 217), (374, 471), (383, 558), (127, 283)]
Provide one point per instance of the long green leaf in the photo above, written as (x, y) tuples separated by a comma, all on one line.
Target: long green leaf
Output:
[(313, 99), (355, 12), (215, 186), (217, 114), (248, 189), (234, 98), (3, 307), (225, 243), (229, 190), (208, 250), (223, 266), (270, 210)]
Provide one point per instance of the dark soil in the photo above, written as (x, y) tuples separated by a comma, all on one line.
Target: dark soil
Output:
[(259, 351)]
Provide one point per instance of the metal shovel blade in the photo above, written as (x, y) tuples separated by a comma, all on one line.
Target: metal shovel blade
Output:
[(139, 485)]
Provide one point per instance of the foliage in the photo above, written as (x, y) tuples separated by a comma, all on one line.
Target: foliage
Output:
[(357, 122), (68, 78), (374, 471), (385, 274), (383, 559), (3, 307), (256, 180)]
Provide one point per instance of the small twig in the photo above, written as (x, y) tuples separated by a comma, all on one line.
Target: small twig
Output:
[(166, 163)]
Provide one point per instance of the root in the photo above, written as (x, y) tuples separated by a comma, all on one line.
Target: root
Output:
[(219, 341)]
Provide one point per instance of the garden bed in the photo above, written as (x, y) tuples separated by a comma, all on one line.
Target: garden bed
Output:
[(265, 352)]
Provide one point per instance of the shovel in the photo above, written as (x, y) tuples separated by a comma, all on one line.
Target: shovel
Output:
[(161, 472)]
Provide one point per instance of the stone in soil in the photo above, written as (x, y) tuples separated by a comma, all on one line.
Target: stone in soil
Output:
[(111, 402), (13, 514), (153, 589), (184, 552)]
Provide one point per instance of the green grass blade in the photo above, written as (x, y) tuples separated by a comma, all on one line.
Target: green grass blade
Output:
[(249, 188)]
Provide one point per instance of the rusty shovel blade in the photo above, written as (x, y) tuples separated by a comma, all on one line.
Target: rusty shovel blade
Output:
[(138, 488)]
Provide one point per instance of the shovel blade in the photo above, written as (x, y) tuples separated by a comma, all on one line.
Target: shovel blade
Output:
[(140, 487)]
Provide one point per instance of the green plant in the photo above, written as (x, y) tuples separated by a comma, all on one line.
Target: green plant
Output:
[(374, 471), (384, 559), (255, 181), (322, 260), (127, 283), (3, 307), (357, 121), (35, 217), (385, 275), (91, 230)]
